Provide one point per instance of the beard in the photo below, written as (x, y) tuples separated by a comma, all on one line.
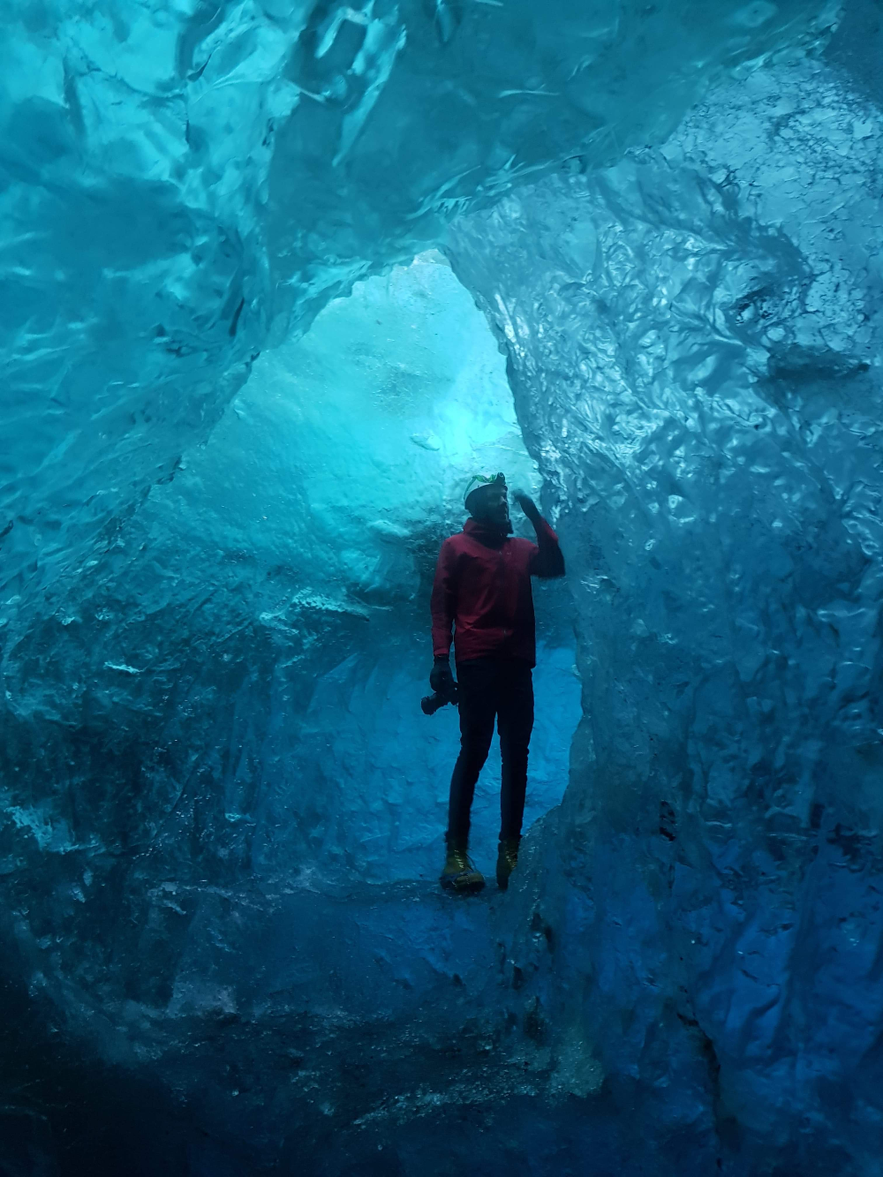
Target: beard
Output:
[(503, 525)]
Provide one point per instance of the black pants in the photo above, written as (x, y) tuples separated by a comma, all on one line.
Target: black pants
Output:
[(492, 689)]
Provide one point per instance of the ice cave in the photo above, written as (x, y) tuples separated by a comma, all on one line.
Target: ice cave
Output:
[(277, 278)]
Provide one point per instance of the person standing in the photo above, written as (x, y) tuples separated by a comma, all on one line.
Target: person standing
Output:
[(482, 592)]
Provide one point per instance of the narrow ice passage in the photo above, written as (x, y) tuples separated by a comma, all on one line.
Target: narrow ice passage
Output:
[(329, 485)]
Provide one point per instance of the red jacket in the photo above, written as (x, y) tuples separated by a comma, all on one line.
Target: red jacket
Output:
[(482, 586)]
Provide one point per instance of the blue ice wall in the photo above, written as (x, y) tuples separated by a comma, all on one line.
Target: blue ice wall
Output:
[(181, 183), (694, 339), (251, 817), (233, 430), (242, 669)]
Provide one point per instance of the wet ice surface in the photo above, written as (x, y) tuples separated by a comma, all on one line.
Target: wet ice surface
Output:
[(694, 342), (252, 847), (306, 1067), (223, 947), (184, 185)]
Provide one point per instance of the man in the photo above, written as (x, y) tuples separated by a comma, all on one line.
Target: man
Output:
[(482, 589)]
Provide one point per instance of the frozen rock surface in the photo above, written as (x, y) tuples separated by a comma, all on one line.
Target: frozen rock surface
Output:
[(242, 395)]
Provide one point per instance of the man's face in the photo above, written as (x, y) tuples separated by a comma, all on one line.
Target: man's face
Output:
[(493, 506)]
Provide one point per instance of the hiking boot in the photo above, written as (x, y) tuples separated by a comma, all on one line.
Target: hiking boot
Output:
[(507, 860), (459, 875)]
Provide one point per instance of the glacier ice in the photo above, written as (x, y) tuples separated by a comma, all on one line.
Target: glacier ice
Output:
[(242, 390), (693, 341), (234, 689), (182, 183)]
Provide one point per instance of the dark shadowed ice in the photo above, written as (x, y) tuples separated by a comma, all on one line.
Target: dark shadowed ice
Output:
[(276, 280)]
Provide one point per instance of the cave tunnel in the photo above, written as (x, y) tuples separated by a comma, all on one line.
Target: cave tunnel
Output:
[(277, 280)]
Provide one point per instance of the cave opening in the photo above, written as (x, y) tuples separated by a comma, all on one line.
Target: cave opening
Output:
[(327, 489)]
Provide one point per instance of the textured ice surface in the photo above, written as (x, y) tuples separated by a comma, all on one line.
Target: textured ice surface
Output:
[(694, 341), (178, 179), (250, 655), (222, 948), (214, 737)]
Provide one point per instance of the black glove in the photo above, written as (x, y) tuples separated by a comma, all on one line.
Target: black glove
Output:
[(440, 678)]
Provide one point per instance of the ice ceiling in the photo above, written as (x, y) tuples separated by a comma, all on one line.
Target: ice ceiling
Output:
[(274, 278)]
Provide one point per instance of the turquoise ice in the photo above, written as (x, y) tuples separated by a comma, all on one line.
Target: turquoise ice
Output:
[(275, 281)]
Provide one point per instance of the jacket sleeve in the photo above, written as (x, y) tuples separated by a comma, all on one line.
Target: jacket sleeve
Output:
[(548, 560), (443, 605)]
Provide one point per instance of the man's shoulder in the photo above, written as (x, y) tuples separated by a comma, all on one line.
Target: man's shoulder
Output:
[(454, 543), (463, 541), (458, 539)]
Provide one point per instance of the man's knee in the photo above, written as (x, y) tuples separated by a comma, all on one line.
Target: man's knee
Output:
[(475, 754), (515, 745), (475, 746)]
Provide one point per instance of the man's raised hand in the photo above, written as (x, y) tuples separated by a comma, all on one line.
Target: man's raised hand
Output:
[(527, 505)]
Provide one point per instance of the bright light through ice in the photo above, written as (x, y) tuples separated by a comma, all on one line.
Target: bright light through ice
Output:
[(394, 399), (334, 477)]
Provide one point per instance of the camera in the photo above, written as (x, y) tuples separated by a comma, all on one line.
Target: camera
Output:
[(429, 704)]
